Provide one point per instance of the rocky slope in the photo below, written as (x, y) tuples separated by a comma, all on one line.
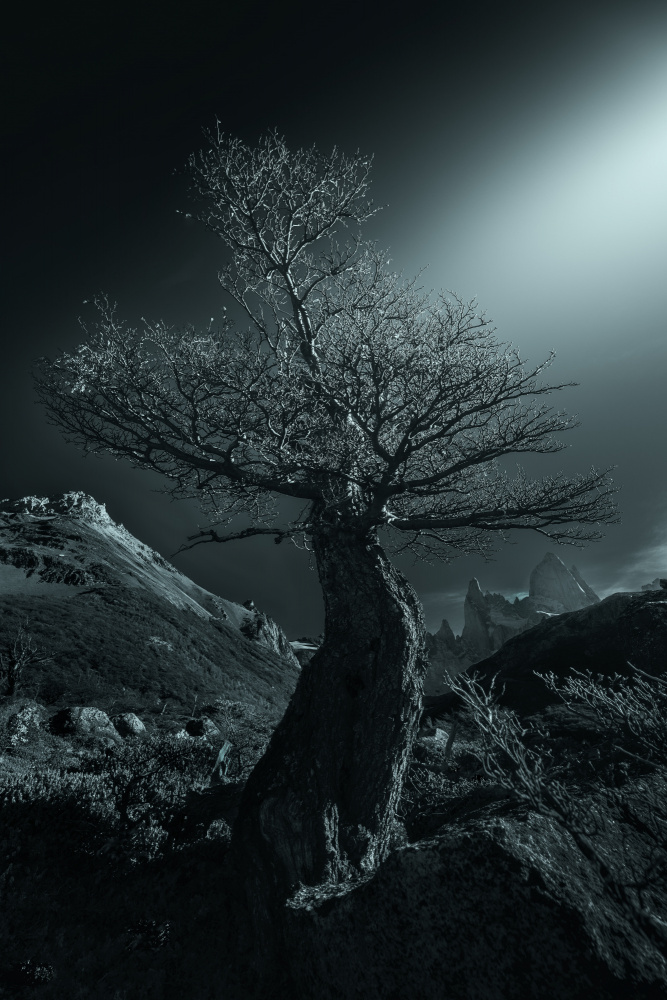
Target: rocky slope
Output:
[(113, 828), (490, 619), (116, 617)]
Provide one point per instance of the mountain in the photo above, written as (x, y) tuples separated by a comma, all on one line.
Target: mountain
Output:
[(115, 616), (602, 638), (555, 589), (490, 620)]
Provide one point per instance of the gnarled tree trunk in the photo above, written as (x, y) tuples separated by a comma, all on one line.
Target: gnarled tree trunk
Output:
[(320, 804)]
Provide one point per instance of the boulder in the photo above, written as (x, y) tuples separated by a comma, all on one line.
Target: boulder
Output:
[(85, 723), (202, 727), (22, 720), (128, 724), (491, 907)]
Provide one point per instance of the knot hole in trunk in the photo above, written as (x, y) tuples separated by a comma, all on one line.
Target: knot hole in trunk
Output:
[(354, 684)]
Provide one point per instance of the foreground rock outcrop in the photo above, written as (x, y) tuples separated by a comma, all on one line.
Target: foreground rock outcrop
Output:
[(494, 906), (115, 617), (490, 898)]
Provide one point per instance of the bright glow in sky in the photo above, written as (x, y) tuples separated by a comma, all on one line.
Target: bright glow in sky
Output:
[(524, 162), (576, 209), (563, 239), (587, 206)]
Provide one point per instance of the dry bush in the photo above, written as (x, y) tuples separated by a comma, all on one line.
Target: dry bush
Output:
[(636, 710)]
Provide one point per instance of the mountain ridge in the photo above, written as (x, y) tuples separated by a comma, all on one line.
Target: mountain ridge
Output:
[(109, 607), (490, 620)]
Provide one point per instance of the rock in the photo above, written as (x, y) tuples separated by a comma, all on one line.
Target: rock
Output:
[(601, 638), (22, 720), (128, 724), (554, 588), (491, 906), (202, 727), (657, 584), (86, 722), (259, 628)]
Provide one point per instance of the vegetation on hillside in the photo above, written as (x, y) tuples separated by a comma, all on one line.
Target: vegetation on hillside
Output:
[(118, 850)]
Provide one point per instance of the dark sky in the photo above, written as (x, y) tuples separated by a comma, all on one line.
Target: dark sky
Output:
[(522, 153)]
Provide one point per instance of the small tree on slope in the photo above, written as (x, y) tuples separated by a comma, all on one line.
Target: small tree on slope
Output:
[(386, 412)]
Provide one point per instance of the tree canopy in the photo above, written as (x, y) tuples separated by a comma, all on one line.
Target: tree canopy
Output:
[(377, 404)]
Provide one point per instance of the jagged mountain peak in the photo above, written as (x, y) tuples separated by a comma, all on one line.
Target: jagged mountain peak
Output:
[(557, 589), (73, 504), (490, 620)]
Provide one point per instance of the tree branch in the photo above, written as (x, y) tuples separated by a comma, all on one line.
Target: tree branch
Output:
[(211, 535)]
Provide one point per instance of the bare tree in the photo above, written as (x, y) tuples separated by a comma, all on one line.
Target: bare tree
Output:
[(20, 652), (386, 411)]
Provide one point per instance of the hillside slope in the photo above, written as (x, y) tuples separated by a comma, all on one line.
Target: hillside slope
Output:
[(116, 618)]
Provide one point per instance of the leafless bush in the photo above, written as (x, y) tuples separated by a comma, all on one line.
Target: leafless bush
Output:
[(638, 707), (524, 773), (246, 732), (19, 652)]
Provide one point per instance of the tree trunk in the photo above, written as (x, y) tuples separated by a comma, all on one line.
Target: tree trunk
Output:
[(320, 804)]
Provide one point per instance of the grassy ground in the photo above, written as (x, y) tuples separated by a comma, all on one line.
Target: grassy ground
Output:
[(126, 644), (117, 893), (110, 884)]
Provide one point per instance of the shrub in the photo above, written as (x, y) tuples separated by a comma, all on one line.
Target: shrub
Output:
[(638, 708), (19, 652)]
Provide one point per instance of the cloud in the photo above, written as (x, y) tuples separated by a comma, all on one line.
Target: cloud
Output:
[(647, 564)]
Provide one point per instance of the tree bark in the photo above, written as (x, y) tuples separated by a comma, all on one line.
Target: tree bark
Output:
[(320, 804)]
